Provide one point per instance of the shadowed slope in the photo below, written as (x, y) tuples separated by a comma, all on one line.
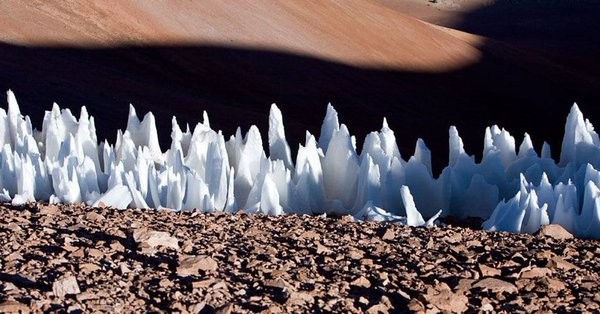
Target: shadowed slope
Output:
[(236, 87)]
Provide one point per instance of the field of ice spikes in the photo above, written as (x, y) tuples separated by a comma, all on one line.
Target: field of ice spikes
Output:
[(513, 190)]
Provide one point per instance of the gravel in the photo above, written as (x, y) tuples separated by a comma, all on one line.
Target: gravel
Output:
[(73, 258)]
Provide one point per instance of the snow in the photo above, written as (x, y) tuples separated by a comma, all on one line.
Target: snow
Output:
[(512, 189)]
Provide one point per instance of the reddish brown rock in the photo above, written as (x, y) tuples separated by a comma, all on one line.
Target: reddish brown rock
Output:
[(487, 271), (495, 285), (361, 282), (150, 240), (65, 286), (555, 231), (348, 268), (11, 306), (442, 297), (190, 265), (535, 272)]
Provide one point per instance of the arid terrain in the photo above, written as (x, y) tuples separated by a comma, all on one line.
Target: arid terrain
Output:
[(425, 65), (74, 258)]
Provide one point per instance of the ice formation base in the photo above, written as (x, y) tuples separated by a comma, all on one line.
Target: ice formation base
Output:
[(513, 190)]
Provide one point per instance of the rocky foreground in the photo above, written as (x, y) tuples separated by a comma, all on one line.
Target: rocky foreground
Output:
[(80, 259)]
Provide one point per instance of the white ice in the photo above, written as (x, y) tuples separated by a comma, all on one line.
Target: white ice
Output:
[(513, 188)]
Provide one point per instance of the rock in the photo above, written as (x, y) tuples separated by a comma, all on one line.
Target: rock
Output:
[(65, 286), (378, 308), (87, 268), (226, 309), (205, 283), (80, 252), (347, 218), (464, 285), (442, 297), (14, 227), (94, 217), (321, 249), (361, 282), (14, 256), (165, 283), (416, 306), (496, 285), (310, 234), (487, 271), (117, 246), (487, 308), (95, 253), (187, 246), (277, 283), (49, 210), (11, 306), (300, 298), (553, 284), (149, 240), (190, 265), (535, 272), (355, 254), (389, 234), (562, 264), (123, 269), (555, 231), (362, 300)]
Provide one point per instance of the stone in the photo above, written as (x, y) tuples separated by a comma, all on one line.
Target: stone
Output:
[(464, 285), (562, 264), (190, 265), (150, 240), (94, 217), (442, 297), (389, 234), (95, 253), (416, 306), (495, 285), (11, 306), (300, 298), (310, 234), (277, 283), (554, 284), (487, 271), (535, 272), (205, 283), (361, 282), (378, 308), (321, 249), (225, 309), (117, 246), (555, 231), (65, 286), (87, 268), (49, 210), (486, 308), (123, 269)]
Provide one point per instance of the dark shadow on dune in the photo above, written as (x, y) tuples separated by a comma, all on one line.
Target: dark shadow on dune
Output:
[(564, 32), (236, 86)]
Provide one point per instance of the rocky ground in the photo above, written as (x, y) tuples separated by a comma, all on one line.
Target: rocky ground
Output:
[(80, 259)]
